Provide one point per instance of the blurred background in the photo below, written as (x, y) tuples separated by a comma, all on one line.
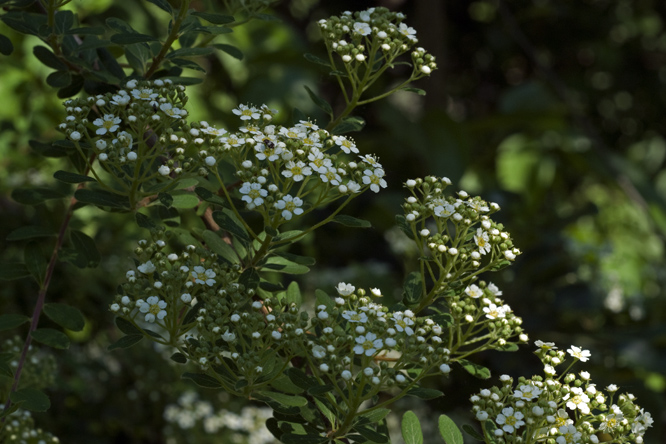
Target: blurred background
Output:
[(553, 109)]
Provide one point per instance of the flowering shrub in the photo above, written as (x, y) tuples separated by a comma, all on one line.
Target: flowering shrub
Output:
[(328, 365)]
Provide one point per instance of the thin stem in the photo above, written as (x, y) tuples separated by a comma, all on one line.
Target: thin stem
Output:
[(173, 35)]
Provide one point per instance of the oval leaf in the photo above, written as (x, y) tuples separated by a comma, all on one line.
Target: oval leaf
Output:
[(350, 221), (231, 50), (220, 247), (12, 271), (185, 201), (476, 370), (216, 19), (29, 232), (125, 342), (31, 399), (67, 177), (52, 338), (449, 431), (9, 321), (321, 103), (287, 400), (202, 380), (65, 316), (411, 429)]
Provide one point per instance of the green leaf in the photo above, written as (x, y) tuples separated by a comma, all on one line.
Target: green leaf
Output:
[(179, 358), (449, 431), (144, 221), (475, 370), (52, 338), (67, 177), (72, 88), (189, 64), (59, 79), (163, 5), (300, 379), (208, 196), (314, 59), (508, 347), (404, 226), (471, 431), (294, 295), (48, 149), (249, 278), (23, 22), (34, 261), (88, 30), (348, 125), (215, 30), (323, 408), (119, 25), (418, 91), (127, 327), (291, 438), (87, 250), (288, 400), (374, 416), (202, 380), (228, 221), (29, 232), (220, 247), (190, 52), (31, 399), (321, 103), (35, 196), (425, 393), (12, 320), (369, 433), (216, 19), (283, 265), (102, 198), (51, 60), (130, 39), (413, 288), (64, 20), (65, 316), (6, 46), (185, 201), (12, 271), (231, 50), (125, 342), (287, 235), (322, 298), (351, 221), (411, 428)]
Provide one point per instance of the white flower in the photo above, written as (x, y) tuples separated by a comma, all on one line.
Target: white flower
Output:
[(101, 144), (108, 123), (473, 291), (164, 170), (318, 351), (362, 28), (527, 392), (579, 400), (482, 415), (482, 241), (494, 312), (579, 353), (296, 171), (146, 268), (203, 276), (75, 136), (144, 94), (445, 210), (276, 335), (444, 368), (374, 178), (345, 144), (228, 336), (408, 32), (153, 307), (368, 371), (368, 344), (253, 193), (509, 420), (399, 378), (569, 434), (353, 316), (247, 113), (186, 298), (210, 161), (345, 289), (171, 111), (346, 375), (289, 206), (403, 323)]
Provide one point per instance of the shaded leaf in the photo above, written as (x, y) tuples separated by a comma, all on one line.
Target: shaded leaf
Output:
[(59, 79), (404, 226), (67, 177), (86, 249), (425, 393), (471, 431), (202, 380), (374, 416), (29, 232), (127, 327), (64, 20), (119, 25), (231, 50), (370, 434), (51, 337), (34, 261), (283, 265), (88, 30), (35, 196), (413, 288), (184, 201), (6, 46), (318, 60), (130, 39), (249, 278), (475, 370), (49, 59), (220, 247), (418, 91), (321, 103), (12, 271), (179, 358), (215, 30), (209, 196), (102, 198), (350, 221), (31, 399), (190, 52), (348, 125), (65, 316), (144, 221), (163, 5), (217, 19), (12, 320), (228, 221), (48, 149), (72, 88), (449, 431), (411, 429), (288, 400), (125, 342), (291, 438)]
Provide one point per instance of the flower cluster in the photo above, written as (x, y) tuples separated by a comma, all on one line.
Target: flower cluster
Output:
[(376, 34), (564, 409), (19, 428), (284, 171)]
